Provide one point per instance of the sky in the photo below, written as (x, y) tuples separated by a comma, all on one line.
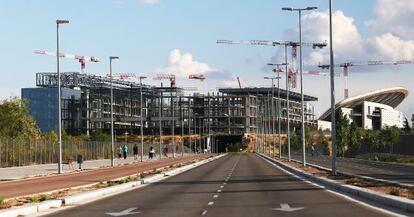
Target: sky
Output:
[(179, 37)]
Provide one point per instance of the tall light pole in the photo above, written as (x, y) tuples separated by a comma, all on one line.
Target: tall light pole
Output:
[(332, 77), (140, 119), (278, 77), (112, 110), (160, 124), (302, 113), (287, 105), (58, 22), (272, 111)]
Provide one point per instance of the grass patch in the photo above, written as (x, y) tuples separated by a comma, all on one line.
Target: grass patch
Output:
[(35, 199), (1, 199), (44, 197)]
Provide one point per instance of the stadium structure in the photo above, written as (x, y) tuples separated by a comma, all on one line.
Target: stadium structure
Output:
[(372, 110)]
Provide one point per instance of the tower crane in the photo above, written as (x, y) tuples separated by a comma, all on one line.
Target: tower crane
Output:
[(197, 77), (80, 58), (292, 44), (170, 77), (345, 66)]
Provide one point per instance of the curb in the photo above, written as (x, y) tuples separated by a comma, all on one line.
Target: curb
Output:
[(95, 195), (399, 184), (386, 200)]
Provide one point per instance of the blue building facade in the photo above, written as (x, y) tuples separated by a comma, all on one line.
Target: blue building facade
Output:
[(43, 106)]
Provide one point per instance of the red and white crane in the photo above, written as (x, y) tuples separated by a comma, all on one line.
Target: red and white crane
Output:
[(170, 77), (292, 67), (197, 77), (346, 66), (80, 58)]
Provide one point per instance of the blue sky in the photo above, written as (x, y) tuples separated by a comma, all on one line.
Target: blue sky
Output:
[(145, 35)]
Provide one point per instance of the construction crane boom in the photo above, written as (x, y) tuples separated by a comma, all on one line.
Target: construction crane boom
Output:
[(170, 77), (346, 66), (197, 77), (272, 43), (82, 59)]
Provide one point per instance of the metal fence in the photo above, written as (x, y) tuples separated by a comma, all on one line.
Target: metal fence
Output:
[(17, 152)]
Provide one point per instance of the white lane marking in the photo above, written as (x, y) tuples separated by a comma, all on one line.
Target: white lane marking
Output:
[(215, 196), (219, 190), (284, 207), (222, 186), (204, 212), (210, 203), (123, 213)]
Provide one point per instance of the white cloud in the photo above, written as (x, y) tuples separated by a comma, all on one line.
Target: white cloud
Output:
[(150, 2), (394, 17), (349, 45), (182, 65)]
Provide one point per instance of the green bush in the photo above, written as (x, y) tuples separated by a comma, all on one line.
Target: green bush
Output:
[(35, 199), (110, 183), (44, 197), (1, 199), (142, 175)]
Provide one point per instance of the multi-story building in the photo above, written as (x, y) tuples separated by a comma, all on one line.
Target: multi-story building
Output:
[(230, 111)]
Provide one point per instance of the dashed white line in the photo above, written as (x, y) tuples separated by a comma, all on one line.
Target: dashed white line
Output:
[(210, 203), (204, 212), (219, 190), (215, 196), (222, 186)]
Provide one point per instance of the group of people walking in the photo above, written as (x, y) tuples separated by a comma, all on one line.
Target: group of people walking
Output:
[(122, 151)]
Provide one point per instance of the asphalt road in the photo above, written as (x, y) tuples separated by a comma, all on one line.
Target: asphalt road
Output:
[(389, 171), (235, 185)]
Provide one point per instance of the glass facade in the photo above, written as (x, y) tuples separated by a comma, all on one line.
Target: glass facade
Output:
[(43, 106)]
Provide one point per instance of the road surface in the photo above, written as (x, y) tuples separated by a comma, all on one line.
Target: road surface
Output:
[(235, 185)]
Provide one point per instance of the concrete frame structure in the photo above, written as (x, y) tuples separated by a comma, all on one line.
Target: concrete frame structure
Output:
[(231, 111)]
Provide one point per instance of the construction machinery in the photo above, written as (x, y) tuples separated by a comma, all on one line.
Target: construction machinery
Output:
[(292, 74), (170, 77), (346, 66), (80, 58), (197, 77)]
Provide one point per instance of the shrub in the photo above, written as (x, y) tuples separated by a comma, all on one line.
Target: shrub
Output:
[(110, 183), (35, 199), (411, 193), (395, 191), (142, 175), (44, 197), (1, 199)]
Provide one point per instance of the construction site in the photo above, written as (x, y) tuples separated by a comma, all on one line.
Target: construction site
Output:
[(229, 116)]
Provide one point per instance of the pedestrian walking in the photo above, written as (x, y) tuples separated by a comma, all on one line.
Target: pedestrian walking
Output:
[(119, 151), (151, 152), (135, 150), (166, 151), (125, 150)]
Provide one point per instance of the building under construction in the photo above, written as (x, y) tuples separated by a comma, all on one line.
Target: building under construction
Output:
[(166, 110)]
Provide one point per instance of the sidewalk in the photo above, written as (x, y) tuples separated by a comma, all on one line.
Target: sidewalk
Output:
[(9, 189), (14, 173)]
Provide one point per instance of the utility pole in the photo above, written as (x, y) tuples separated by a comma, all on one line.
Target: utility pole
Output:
[(112, 110), (141, 114), (332, 78), (160, 123)]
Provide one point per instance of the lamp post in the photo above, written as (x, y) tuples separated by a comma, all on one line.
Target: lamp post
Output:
[(272, 110), (58, 22), (112, 109), (332, 78), (299, 10), (278, 77), (160, 123), (140, 119)]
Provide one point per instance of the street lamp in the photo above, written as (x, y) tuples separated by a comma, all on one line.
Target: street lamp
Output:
[(299, 10), (112, 109), (142, 129), (332, 78), (272, 110), (58, 22), (278, 70)]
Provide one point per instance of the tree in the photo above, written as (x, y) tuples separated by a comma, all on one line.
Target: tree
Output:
[(342, 132), (389, 136), (371, 140), (15, 122), (353, 139), (406, 127), (412, 120)]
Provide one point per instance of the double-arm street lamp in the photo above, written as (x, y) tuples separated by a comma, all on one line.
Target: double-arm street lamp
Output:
[(299, 10), (58, 22), (112, 109), (279, 109), (272, 110)]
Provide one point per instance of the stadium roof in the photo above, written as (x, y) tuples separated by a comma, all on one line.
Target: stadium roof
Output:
[(389, 96)]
